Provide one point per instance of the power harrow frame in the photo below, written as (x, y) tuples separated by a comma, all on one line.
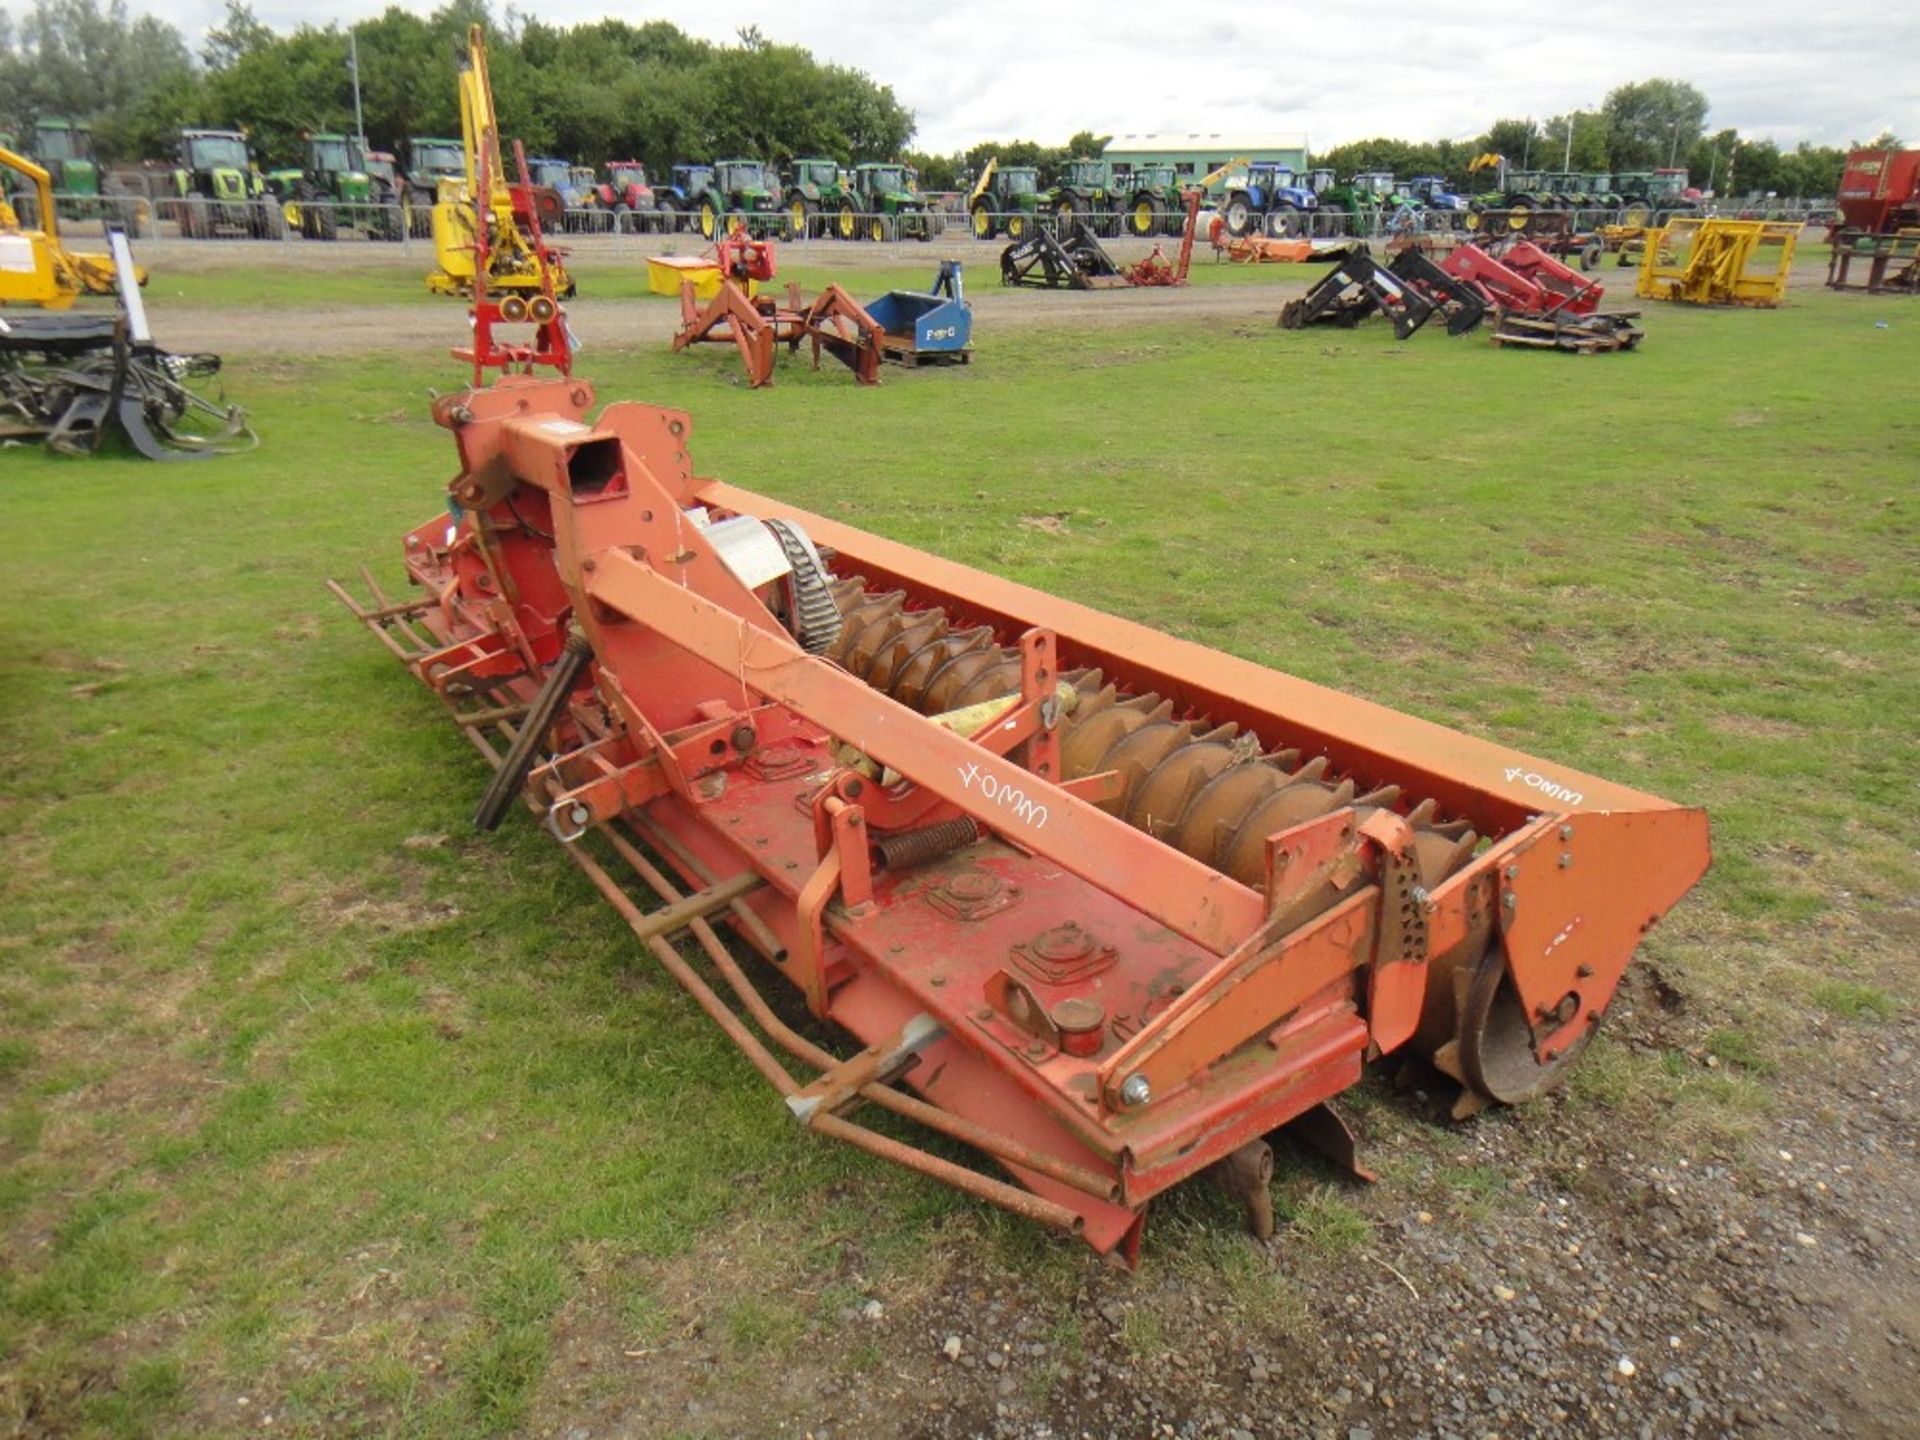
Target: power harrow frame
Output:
[(1106, 906)]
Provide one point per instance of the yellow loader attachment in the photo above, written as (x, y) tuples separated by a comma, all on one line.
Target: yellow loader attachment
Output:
[(35, 268), (1705, 261)]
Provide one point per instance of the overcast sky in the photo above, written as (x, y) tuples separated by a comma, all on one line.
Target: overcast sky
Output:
[(1025, 69)]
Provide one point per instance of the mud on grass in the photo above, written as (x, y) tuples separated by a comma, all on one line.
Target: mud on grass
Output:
[(382, 1134)]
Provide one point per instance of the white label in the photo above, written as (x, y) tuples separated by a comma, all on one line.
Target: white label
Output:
[(16, 255), (1553, 789), (1005, 794)]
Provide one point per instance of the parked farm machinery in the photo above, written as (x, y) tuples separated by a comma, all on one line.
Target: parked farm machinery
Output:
[(336, 190), (1534, 300), (1107, 907), (1267, 196), (1072, 257), (819, 197), (1004, 201), (1702, 261), (758, 324), (626, 191), (36, 267), (73, 381), (1879, 226), (1409, 292), (486, 227), (1539, 303), (216, 190)]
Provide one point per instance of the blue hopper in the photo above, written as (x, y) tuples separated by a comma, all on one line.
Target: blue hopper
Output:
[(927, 325)]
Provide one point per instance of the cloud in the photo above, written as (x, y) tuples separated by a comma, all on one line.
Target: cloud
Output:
[(1012, 69)]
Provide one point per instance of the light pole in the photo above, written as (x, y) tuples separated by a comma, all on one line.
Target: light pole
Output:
[(1567, 162), (353, 69)]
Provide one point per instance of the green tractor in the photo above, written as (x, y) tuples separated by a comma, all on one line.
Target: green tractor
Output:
[(1004, 201), (64, 149), (1363, 197), (744, 190), (882, 205), (816, 189), (217, 191), (1149, 199), (430, 159), (1084, 192), (337, 190)]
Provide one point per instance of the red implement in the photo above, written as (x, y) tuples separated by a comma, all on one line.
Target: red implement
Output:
[(1107, 906)]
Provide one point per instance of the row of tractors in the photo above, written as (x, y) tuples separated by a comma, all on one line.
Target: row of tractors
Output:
[(214, 187), (345, 184), (1266, 196)]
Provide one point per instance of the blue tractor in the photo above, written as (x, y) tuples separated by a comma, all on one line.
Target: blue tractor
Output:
[(681, 200), (1431, 191), (1269, 197)]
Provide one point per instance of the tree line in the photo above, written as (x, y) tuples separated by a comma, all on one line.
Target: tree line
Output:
[(613, 90), (595, 92)]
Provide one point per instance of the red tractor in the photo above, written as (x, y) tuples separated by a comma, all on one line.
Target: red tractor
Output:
[(624, 189), (1879, 223)]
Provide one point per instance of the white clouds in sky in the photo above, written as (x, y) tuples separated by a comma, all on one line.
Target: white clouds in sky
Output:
[(1012, 69)]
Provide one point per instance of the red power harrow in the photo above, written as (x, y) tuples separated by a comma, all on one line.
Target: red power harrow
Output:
[(1108, 907)]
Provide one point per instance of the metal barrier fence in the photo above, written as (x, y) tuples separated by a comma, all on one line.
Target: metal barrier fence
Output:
[(271, 220)]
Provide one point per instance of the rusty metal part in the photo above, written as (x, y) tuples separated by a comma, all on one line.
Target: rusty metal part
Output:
[(1247, 1175)]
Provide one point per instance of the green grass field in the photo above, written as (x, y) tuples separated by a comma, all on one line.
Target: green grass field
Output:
[(257, 282), (311, 1096)]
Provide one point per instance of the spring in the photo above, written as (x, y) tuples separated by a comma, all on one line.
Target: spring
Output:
[(1213, 792), (907, 848)]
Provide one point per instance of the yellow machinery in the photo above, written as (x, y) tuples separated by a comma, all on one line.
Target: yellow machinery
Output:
[(515, 255), (35, 268), (1706, 261)]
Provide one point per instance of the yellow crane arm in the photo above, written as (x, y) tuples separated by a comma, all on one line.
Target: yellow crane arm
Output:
[(986, 174), (1239, 161), (479, 126), (42, 184)]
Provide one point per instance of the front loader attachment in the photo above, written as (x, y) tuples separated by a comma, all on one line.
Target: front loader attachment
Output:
[(1354, 289), (1108, 907)]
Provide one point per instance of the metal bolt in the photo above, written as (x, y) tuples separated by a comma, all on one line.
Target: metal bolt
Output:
[(1566, 859), (1513, 872), (1511, 900), (580, 816), (1137, 1090), (1566, 832)]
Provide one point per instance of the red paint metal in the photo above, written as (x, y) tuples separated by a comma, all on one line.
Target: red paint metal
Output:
[(1062, 955)]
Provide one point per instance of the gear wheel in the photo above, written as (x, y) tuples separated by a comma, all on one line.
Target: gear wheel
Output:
[(815, 613)]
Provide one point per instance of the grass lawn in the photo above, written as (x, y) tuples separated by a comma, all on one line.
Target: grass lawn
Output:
[(259, 283), (309, 1095)]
